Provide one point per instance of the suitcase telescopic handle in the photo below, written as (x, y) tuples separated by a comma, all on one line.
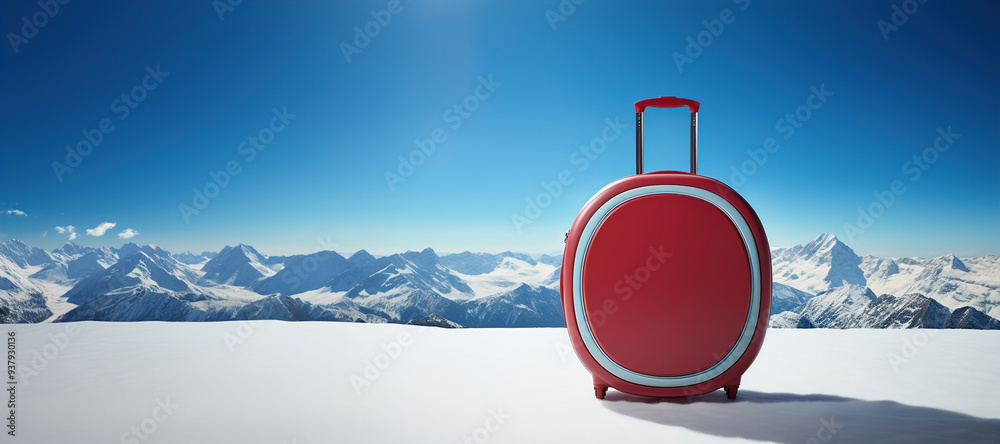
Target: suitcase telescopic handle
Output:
[(666, 102)]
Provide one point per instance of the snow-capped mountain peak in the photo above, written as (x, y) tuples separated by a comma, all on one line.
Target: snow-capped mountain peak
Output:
[(950, 261), (70, 249), (838, 307), (425, 259), (23, 256), (241, 265), (482, 263), (816, 267), (20, 299), (952, 281), (359, 258), (414, 270), (139, 268), (190, 258), (907, 311), (302, 273), (508, 274)]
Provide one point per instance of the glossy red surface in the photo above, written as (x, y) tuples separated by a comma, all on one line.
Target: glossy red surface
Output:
[(666, 285)]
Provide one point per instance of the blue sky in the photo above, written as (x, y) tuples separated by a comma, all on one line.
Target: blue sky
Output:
[(547, 86)]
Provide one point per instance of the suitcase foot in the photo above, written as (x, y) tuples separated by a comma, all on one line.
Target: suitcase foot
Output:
[(731, 391), (600, 391)]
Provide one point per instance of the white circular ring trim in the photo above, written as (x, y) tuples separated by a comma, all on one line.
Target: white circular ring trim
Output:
[(751, 321)]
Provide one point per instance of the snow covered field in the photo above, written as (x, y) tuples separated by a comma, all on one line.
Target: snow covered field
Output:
[(320, 382), (509, 274)]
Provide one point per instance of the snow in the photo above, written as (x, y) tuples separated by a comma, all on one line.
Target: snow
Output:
[(817, 266), (141, 273), (274, 382), (54, 299), (454, 294), (951, 281), (10, 272), (785, 319), (320, 296), (52, 292), (240, 265), (29, 270), (365, 298), (20, 298), (839, 307), (263, 269), (895, 283), (826, 263), (196, 267), (507, 276), (232, 293)]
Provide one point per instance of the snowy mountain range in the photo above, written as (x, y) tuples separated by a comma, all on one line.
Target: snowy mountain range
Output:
[(145, 282), (22, 300), (817, 266), (825, 284), (822, 283)]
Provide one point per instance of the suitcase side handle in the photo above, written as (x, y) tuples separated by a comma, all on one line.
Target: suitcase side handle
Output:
[(666, 102)]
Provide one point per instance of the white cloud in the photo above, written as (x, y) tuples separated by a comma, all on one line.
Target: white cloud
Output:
[(100, 229), (127, 234), (68, 229), (15, 212)]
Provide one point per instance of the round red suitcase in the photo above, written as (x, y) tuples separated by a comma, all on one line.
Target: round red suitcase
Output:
[(666, 280)]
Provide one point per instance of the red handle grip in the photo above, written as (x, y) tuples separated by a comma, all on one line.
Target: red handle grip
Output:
[(666, 102)]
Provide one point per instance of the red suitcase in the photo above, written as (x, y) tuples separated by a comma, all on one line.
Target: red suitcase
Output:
[(666, 280)]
